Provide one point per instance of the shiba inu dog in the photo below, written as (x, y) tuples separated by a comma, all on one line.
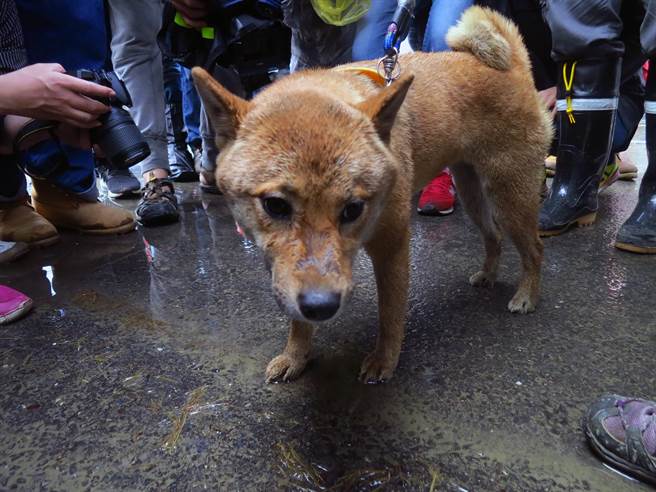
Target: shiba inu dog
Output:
[(324, 162)]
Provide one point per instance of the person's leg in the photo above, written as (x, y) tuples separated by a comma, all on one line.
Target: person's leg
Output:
[(370, 37), (180, 159), (587, 46), (443, 15), (137, 60), (68, 197), (208, 156), (638, 233), (191, 108), (439, 196)]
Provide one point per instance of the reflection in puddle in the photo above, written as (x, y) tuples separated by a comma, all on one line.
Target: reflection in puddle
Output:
[(50, 275), (616, 471)]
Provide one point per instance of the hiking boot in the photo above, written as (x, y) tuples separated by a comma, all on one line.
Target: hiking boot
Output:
[(20, 223), (10, 251), (69, 211), (119, 183), (439, 196), (158, 205)]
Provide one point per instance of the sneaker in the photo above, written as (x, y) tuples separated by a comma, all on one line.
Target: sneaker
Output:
[(119, 183), (622, 431), (610, 174), (13, 304), (158, 205), (438, 197), (181, 164)]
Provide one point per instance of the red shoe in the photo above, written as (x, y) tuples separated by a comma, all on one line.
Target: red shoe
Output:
[(13, 304), (439, 196)]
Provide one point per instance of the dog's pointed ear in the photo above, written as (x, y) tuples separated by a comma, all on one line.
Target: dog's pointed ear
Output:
[(225, 111), (383, 107)]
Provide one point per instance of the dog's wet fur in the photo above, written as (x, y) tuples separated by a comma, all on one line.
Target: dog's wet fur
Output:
[(325, 161)]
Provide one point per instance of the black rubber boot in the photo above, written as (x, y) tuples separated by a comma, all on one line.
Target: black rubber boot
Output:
[(585, 126), (638, 233)]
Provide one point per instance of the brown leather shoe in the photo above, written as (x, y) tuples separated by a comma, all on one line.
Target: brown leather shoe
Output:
[(20, 223), (67, 211)]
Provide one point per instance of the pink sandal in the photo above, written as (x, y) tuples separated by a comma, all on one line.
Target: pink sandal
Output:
[(13, 304)]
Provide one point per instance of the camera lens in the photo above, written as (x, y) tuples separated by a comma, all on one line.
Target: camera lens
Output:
[(120, 139)]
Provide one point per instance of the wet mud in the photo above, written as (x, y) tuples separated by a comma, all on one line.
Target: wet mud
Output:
[(142, 366)]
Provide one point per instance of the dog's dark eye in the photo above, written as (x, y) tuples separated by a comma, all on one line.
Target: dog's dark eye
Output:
[(351, 212), (276, 207)]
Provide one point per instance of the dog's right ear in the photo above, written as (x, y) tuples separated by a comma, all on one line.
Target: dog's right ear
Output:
[(384, 105), (225, 111)]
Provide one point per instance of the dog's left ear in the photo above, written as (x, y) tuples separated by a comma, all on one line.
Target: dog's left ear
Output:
[(383, 107), (225, 111)]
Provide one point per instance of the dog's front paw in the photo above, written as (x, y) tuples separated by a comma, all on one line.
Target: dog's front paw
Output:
[(521, 303), (482, 279), (376, 368), (285, 368)]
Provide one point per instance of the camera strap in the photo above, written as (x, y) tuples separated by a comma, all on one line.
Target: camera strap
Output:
[(27, 134)]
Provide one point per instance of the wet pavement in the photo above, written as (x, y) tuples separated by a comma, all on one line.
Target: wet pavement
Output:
[(142, 365)]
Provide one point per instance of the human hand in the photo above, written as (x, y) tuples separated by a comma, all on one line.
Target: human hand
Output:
[(194, 12), (548, 96), (44, 91)]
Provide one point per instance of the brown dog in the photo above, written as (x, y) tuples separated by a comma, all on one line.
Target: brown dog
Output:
[(325, 161)]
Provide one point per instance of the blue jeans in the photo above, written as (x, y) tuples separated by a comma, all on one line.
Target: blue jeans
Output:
[(432, 21), (190, 107), (72, 34), (179, 90)]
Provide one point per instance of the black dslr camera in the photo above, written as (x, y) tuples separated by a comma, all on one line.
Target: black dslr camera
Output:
[(117, 136)]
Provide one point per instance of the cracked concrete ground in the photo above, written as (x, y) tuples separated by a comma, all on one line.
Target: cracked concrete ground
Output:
[(142, 365)]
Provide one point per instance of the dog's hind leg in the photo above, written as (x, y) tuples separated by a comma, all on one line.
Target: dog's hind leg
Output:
[(516, 196), (390, 254), (478, 207), (289, 365)]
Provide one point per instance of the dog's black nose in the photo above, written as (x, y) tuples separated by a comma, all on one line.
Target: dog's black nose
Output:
[(319, 305)]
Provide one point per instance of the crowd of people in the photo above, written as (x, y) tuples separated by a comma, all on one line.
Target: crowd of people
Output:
[(587, 57)]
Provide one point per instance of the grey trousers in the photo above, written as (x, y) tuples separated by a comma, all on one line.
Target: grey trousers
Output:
[(138, 61)]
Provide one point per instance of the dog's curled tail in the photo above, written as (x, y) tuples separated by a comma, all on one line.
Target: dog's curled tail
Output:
[(490, 37)]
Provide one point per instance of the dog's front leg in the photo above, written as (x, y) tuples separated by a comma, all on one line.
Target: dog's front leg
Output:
[(292, 361), (389, 253)]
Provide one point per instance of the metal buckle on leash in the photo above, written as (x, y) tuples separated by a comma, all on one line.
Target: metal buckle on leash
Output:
[(389, 67)]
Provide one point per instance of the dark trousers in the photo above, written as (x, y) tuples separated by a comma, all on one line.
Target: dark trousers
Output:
[(596, 29)]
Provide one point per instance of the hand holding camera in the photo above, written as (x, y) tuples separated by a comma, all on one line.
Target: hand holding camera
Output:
[(90, 100), (44, 91)]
